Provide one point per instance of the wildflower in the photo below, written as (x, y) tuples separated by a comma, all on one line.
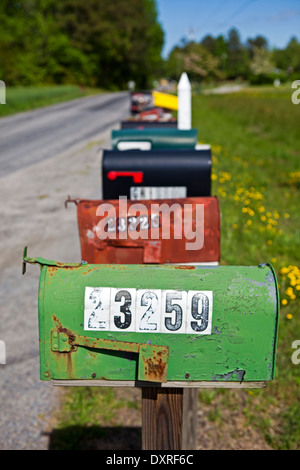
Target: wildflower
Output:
[(284, 302), (289, 316)]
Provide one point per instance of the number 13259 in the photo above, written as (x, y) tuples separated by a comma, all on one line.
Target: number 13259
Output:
[(148, 311)]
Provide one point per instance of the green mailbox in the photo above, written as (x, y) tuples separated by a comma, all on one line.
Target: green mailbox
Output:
[(151, 139), (149, 324)]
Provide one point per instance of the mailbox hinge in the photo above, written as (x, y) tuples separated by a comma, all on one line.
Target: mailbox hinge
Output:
[(153, 359)]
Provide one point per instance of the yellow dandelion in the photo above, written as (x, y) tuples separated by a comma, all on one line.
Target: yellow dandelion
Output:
[(249, 222), (289, 316), (269, 242), (284, 302)]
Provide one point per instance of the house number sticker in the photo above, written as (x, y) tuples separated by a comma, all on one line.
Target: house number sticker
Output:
[(148, 311)]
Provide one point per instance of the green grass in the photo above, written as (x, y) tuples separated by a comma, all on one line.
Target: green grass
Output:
[(85, 413), (256, 175), (20, 99)]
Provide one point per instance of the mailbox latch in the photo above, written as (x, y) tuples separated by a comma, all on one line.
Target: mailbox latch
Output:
[(153, 359)]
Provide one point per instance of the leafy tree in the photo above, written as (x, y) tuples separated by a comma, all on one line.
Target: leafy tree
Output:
[(237, 55), (90, 42)]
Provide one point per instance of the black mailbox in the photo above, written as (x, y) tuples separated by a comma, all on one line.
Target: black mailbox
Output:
[(134, 124), (156, 174)]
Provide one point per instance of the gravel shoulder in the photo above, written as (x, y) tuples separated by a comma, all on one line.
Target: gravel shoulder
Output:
[(33, 214)]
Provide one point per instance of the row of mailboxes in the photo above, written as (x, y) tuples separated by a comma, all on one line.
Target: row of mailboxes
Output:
[(150, 302)]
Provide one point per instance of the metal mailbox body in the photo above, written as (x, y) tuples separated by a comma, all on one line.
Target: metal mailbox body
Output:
[(157, 138), (189, 170), (240, 345), (155, 244), (140, 124), (141, 100)]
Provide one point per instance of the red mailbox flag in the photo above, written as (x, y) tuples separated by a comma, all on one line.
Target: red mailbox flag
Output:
[(149, 231)]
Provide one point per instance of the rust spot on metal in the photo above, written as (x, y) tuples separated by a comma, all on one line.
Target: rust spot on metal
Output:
[(154, 369), (88, 271), (57, 321), (184, 267)]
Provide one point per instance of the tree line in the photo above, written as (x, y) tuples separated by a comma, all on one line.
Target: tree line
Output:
[(106, 44), (228, 58), (91, 42)]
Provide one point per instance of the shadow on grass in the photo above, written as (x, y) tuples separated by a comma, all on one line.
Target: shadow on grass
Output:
[(96, 438)]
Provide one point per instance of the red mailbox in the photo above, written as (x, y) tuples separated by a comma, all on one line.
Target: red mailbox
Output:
[(175, 231)]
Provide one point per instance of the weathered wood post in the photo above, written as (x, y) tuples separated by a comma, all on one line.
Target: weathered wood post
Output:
[(169, 418)]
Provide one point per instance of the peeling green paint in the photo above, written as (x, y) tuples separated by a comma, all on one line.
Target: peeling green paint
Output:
[(244, 322)]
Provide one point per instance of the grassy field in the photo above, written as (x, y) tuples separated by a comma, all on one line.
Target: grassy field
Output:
[(256, 175), (20, 99)]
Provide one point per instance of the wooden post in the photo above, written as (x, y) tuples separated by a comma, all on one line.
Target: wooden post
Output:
[(184, 114), (169, 418)]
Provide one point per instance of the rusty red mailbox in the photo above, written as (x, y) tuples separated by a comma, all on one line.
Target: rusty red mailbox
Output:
[(175, 231)]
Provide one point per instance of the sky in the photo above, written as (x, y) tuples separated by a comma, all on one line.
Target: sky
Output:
[(276, 20)]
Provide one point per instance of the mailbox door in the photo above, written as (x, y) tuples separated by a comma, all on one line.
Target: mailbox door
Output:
[(188, 171), (152, 232), (218, 324), (159, 138)]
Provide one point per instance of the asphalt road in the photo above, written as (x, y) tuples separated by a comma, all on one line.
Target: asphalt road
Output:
[(33, 136), (45, 155)]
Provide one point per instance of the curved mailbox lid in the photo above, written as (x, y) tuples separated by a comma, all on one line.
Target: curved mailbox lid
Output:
[(238, 345), (142, 124), (165, 236), (160, 138)]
